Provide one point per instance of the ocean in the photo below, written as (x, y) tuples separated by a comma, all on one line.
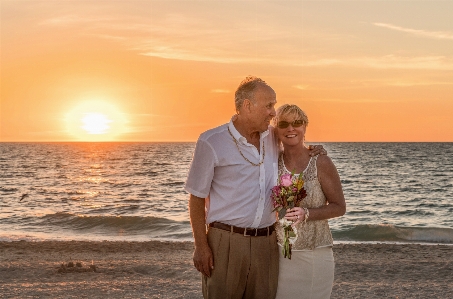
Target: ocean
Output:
[(395, 192)]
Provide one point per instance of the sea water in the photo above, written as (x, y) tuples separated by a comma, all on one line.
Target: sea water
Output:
[(395, 192)]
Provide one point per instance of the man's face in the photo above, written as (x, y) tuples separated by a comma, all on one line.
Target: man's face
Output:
[(263, 108)]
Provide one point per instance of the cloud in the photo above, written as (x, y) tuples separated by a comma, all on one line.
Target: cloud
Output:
[(46, 133), (301, 87), (418, 32), (220, 91), (401, 62), (396, 82), (417, 83), (73, 19), (186, 36), (386, 62), (341, 100)]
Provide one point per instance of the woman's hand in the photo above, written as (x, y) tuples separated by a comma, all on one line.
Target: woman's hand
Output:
[(296, 215)]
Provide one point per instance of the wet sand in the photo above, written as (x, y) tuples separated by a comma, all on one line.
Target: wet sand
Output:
[(77, 269)]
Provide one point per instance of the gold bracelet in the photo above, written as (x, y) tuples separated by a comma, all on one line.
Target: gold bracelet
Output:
[(307, 213)]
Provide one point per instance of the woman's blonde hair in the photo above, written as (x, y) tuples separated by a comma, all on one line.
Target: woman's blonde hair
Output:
[(289, 111)]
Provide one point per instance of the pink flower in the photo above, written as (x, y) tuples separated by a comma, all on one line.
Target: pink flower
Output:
[(286, 180), (276, 190)]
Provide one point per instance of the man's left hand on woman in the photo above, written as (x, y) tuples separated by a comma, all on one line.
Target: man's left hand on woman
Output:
[(316, 150)]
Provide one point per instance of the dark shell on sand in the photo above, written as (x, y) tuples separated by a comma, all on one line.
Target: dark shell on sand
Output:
[(69, 268)]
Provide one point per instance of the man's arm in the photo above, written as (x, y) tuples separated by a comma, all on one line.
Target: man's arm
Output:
[(202, 256)]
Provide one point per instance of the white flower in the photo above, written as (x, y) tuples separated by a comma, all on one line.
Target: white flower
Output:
[(293, 240), (285, 223)]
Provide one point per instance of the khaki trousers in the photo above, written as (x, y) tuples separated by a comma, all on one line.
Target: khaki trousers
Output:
[(244, 267)]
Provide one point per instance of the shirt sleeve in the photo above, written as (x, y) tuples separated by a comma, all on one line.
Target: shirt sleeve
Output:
[(201, 170)]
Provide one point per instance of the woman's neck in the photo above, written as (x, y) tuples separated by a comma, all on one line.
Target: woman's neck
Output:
[(296, 157)]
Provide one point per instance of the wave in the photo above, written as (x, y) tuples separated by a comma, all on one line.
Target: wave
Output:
[(145, 173), (9, 190), (152, 227), (392, 233), (100, 227), (173, 184)]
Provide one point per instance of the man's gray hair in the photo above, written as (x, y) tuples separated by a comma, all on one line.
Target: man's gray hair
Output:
[(246, 90)]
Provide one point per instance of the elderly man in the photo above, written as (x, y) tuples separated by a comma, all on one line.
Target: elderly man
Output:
[(233, 170)]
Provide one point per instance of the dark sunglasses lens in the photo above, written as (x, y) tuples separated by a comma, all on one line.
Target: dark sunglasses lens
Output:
[(283, 124), (298, 123)]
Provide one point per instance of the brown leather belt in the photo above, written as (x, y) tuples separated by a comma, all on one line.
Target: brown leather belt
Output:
[(250, 232)]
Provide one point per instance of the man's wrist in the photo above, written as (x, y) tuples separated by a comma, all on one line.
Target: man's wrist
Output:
[(200, 239), (201, 244)]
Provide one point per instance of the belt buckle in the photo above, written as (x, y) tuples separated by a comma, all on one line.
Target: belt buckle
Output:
[(245, 232)]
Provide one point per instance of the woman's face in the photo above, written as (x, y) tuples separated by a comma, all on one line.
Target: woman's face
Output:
[(294, 132)]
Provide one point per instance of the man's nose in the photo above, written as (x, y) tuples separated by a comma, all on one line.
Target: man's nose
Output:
[(273, 113)]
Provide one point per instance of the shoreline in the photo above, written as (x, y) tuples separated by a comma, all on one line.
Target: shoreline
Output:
[(190, 241), (164, 269)]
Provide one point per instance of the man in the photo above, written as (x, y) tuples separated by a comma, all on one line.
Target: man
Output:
[(233, 170)]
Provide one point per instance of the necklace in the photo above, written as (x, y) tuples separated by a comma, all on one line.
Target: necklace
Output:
[(235, 141)]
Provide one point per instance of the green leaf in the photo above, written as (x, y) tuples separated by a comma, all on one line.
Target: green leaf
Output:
[(281, 213), (277, 209)]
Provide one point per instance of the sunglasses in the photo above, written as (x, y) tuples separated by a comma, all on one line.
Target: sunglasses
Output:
[(284, 124)]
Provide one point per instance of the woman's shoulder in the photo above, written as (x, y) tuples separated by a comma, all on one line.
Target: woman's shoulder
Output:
[(323, 162)]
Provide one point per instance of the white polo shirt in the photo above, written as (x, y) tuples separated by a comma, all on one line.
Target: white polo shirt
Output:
[(238, 192)]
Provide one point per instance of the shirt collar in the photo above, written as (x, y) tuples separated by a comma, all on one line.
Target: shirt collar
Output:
[(238, 135)]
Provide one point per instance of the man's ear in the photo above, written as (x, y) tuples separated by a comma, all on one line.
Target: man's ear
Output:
[(247, 104)]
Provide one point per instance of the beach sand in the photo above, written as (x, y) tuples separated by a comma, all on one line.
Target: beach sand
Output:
[(164, 270)]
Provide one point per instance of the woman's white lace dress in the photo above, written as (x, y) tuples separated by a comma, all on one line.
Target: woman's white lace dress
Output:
[(309, 272)]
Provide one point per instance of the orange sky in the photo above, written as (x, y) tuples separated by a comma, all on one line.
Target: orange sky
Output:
[(167, 70)]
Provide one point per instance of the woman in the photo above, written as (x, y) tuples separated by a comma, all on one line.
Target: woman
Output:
[(309, 273)]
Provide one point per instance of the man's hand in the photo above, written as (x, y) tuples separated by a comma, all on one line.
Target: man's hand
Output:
[(202, 256), (203, 260), (317, 150)]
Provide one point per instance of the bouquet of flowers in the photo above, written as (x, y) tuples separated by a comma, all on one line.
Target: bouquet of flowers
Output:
[(287, 195)]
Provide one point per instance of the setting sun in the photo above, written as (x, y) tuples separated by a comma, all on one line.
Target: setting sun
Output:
[(96, 123), (95, 120)]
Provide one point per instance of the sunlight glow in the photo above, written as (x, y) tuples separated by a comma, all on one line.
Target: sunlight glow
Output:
[(95, 120), (96, 123)]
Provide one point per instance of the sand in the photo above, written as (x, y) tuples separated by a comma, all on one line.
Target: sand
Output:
[(164, 270)]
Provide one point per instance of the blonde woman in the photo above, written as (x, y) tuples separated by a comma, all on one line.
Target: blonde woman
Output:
[(310, 271)]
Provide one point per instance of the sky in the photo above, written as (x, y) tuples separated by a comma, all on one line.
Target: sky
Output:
[(363, 71)]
